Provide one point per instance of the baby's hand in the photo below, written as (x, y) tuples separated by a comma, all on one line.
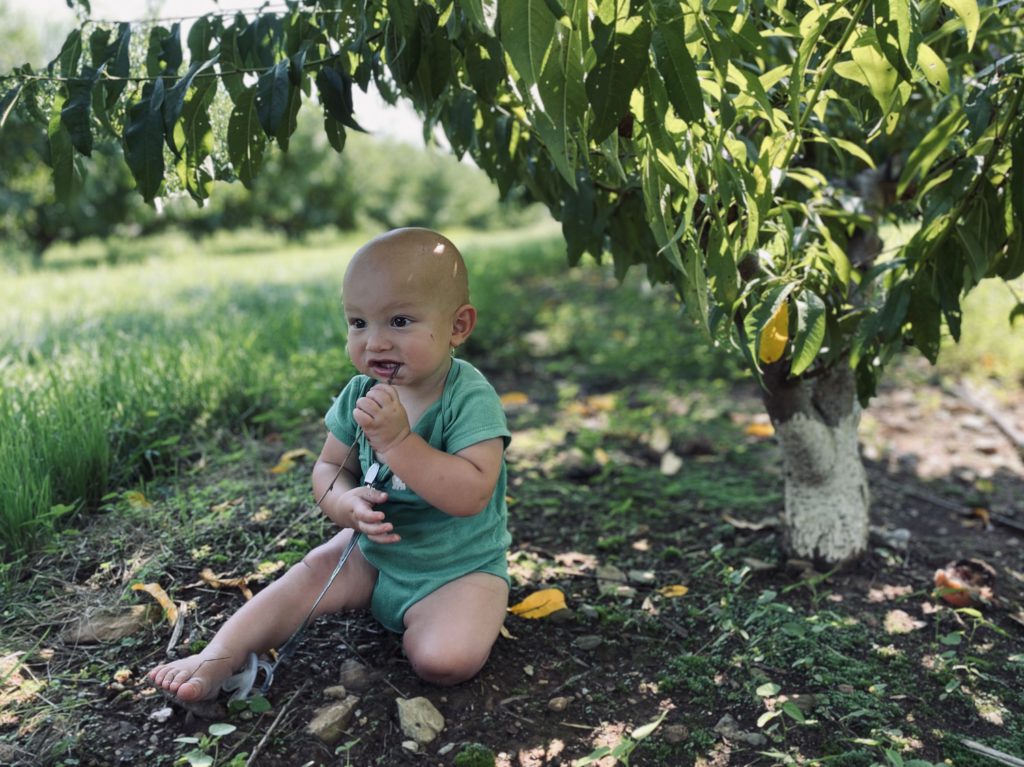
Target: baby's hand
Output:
[(368, 520), (382, 417)]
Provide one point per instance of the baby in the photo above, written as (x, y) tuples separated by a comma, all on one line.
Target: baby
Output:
[(430, 561)]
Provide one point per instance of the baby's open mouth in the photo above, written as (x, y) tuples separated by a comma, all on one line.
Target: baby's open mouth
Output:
[(386, 370)]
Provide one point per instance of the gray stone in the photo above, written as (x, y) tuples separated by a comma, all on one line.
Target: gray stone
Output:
[(337, 692), (330, 721), (419, 719), (355, 676)]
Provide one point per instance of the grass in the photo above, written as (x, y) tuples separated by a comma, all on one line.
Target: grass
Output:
[(153, 396)]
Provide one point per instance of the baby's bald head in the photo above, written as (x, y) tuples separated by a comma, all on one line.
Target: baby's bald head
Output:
[(418, 259)]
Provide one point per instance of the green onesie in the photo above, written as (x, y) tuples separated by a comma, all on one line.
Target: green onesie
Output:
[(435, 548)]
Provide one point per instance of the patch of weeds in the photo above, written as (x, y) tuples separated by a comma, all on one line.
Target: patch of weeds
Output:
[(206, 751), (694, 675)]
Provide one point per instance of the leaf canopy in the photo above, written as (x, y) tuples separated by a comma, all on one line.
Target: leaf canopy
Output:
[(748, 155)]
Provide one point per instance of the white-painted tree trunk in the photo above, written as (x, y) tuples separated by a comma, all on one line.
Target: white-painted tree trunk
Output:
[(827, 498)]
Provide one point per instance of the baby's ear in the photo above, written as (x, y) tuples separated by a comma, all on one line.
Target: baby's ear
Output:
[(462, 324)]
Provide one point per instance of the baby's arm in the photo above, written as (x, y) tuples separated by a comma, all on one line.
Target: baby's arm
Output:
[(459, 484), (343, 499)]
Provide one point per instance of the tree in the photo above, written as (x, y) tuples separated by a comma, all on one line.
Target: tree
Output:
[(746, 153)]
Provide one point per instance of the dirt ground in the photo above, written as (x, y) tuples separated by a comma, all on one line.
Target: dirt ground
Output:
[(557, 689)]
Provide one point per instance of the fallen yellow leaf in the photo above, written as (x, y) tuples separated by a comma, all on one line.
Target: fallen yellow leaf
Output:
[(156, 591), (774, 335), (210, 579), (759, 430), (137, 500), (287, 460), (675, 590), (540, 604), (514, 398)]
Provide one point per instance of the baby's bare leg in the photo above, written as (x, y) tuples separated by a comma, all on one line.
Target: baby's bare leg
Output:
[(450, 632), (270, 618)]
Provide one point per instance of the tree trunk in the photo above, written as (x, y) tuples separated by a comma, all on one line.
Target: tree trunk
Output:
[(827, 497)]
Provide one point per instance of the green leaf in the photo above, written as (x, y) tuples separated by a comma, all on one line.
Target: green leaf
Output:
[(880, 75), (933, 68), (61, 154), (70, 54), (144, 140), (335, 89), (967, 10), (527, 30), (9, 101), (245, 138), (195, 168), (810, 331), (200, 37), (766, 717), (118, 62), (77, 110), (791, 710), (174, 100), (645, 730), (272, 97), (924, 315), (621, 62), (928, 150), (767, 690), (1016, 186), (220, 729), (564, 100), (477, 14), (677, 68)]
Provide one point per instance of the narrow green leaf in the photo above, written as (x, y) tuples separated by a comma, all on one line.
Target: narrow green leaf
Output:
[(246, 140), (272, 97), (77, 110), (791, 710), (61, 154), (195, 167), (1017, 177), (9, 101), (928, 150), (144, 140), (174, 100), (200, 37), (478, 12), (118, 64), (335, 132), (810, 331), (967, 10), (70, 54), (924, 315), (933, 67), (334, 87), (678, 70), (564, 101), (527, 30), (879, 74), (620, 65)]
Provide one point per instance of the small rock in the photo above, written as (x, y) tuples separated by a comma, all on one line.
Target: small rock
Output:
[(337, 692), (447, 748), (730, 730), (642, 576), (355, 676), (162, 714), (588, 642), (675, 733), (330, 721), (411, 745), (419, 719), (589, 612), (559, 704)]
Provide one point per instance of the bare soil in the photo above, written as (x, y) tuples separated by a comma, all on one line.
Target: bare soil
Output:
[(557, 689)]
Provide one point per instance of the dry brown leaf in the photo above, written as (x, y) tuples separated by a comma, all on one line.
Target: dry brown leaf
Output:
[(156, 591), (743, 524), (901, 622), (888, 593), (540, 604), (211, 579)]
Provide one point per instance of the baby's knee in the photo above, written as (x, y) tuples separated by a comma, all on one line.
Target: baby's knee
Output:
[(445, 666)]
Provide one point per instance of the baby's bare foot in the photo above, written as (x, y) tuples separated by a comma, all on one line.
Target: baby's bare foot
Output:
[(197, 677)]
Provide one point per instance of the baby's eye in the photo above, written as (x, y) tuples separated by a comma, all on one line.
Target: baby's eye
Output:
[(355, 322), (401, 322)]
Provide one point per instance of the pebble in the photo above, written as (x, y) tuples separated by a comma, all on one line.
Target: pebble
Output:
[(355, 676), (588, 642), (419, 719), (559, 704), (330, 722)]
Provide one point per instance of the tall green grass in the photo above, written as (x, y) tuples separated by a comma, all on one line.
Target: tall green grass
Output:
[(109, 370)]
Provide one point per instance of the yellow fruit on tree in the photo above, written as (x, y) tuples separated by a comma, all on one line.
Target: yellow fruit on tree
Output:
[(775, 334)]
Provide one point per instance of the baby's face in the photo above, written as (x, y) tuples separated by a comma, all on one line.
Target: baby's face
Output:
[(399, 324)]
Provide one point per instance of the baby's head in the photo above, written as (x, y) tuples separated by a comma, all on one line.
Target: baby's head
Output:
[(415, 259)]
